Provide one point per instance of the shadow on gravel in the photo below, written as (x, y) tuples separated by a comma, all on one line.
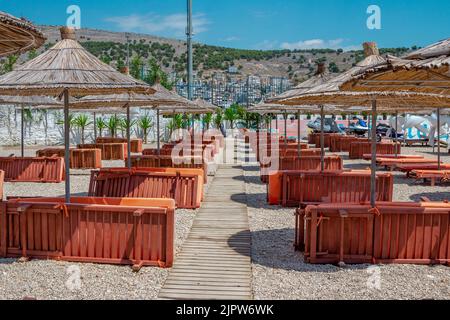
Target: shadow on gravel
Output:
[(251, 168), (433, 196), (356, 166), (275, 249), (79, 194)]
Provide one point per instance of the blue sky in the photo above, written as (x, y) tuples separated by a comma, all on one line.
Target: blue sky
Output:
[(257, 24)]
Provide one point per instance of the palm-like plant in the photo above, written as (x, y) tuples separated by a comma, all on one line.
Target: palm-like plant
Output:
[(101, 125), (207, 119), (81, 122), (231, 115), (113, 125), (145, 123), (218, 118), (124, 124)]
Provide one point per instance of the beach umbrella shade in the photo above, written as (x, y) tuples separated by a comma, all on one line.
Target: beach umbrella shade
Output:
[(426, 70), (67, 69), (160, 99), (23, 101), (18, 35), (331, 93)]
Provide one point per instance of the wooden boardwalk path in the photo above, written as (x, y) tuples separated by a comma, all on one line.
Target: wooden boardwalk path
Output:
[(214, 262)]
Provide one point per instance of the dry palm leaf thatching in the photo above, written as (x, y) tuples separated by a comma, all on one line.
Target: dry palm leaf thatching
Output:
[(165, 97), (67, 65), (426, 70), (30, 100), (171, 110), (266, 108), (331, 93), (18, 35), (162, 96), (206, 105), (320, 77)]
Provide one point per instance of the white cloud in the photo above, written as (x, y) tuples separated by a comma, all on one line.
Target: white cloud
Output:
[(266, 45), (169, 25), (318, 44)]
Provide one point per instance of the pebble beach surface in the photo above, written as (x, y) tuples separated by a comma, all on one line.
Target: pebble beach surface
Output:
[(280, 273), (58, 280)]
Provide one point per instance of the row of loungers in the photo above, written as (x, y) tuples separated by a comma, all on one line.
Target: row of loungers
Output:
[(336, 225), (128, 218), (415, 166)]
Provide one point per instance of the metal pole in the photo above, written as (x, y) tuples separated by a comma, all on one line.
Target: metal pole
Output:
[(299, 140), (128, 51), (189, 33), (158, 142), (439, 137), (95, 126), (248, 92), (128, 136), (322, 139), (22, 138), (373, 166), (67, 144)]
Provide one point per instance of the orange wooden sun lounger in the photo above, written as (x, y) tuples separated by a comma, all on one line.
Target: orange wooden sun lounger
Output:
[(408, 168), (432, 175), (390, 163), (393, 156)]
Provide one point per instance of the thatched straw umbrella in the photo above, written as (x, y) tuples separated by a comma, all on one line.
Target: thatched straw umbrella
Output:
[(160, 100), (330, 93), (18, 35), (272, 108), (23, 101), (67, 69), (426, 70)]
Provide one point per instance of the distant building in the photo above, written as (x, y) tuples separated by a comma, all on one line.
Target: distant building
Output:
[(232, 69)]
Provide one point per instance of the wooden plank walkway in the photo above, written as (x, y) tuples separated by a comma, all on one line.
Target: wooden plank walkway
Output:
[(214, 262)]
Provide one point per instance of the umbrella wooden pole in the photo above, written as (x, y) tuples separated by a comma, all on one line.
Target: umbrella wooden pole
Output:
[(270, 124), (299, 130), (373, 165), (439, 137), (67, 144), (285, 128), (158, 142), (128, 136), (396, 134), (276, 122), (22, 132), (322, 139)]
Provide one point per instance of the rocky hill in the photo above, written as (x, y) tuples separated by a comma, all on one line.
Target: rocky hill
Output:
[(296, 65)]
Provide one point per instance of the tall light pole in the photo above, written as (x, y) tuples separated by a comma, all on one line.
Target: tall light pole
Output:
[(189, 33), (128, 51)]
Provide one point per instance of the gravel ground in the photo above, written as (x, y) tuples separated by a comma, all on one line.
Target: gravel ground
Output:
[(280, 273), (57, 280)]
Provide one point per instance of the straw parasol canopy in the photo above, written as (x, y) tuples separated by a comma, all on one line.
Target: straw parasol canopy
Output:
[(67, 65), (330, 92), (267, 108), (320, 77), (426, 70), (18, 35), (206, 105), (30, 101), (171, 110)]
